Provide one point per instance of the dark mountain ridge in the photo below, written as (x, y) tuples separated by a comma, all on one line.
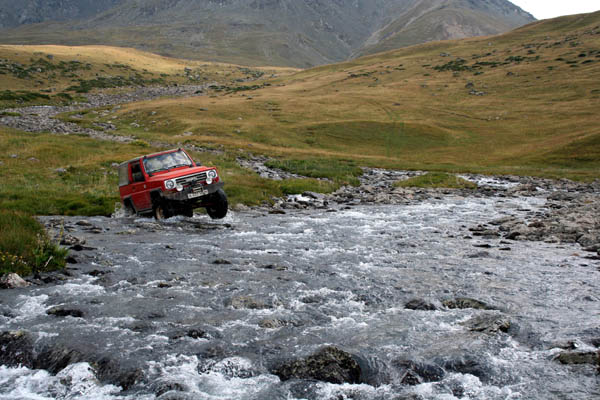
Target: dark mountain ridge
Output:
[(277, 32)]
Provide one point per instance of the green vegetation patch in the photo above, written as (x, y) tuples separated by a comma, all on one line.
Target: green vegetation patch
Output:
[(25, 247), (455, 65), (340, 171), (390, 139), (86, 86), (579, 154), (20, 98), (299, 186), (56, 175), (437, 180)]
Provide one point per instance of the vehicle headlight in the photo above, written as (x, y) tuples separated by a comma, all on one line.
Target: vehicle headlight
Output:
[(179, 188), (212, 174), (170, 184)]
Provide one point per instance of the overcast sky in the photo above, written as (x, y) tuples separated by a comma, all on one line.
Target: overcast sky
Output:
[(542, 9)]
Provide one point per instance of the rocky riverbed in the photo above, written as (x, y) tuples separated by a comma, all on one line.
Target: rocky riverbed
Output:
[(428, 295), (570, 213), (42, 118)]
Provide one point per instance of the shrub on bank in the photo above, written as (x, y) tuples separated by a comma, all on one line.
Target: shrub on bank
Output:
[(25, 247)]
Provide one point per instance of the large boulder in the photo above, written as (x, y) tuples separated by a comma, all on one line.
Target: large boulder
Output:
[(329, 364), (12, 281), (17, 349)]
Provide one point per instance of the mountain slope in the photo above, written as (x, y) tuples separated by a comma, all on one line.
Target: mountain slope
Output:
[(274, 32), (432, 20), (14, 13)]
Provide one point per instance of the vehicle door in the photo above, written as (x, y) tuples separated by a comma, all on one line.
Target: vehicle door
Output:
[(140, 195)]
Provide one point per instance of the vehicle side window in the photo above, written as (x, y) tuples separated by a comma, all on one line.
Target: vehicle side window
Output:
[(136, 172)]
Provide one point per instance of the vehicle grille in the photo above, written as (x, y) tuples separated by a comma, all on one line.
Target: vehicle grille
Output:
[(191, 180)]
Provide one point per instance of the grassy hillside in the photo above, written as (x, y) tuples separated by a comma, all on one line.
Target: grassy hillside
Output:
[(521, 103), (57, 74)]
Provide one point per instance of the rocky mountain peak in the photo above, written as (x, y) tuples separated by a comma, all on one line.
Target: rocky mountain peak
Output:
[(278, 32)]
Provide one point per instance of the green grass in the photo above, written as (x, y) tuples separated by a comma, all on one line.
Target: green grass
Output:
[(24, 246), (340, 171), (437, 180), (299, 186), (87, 85), (72, 175), (23, 98)]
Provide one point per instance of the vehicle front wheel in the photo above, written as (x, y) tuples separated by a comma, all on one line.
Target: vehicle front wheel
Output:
[(161, 211), (187, 212), (218, 208)]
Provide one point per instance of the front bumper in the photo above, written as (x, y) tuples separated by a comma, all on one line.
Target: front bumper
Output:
[(193, 194)]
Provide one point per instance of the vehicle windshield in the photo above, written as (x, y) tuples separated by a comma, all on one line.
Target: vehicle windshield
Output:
[(163, 162)]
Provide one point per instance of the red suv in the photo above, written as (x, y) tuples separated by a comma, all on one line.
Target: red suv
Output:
[(170, 183)]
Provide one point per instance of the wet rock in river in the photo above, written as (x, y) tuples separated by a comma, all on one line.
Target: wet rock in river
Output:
[(65, 312), (415, 373), (329, 364), (272, 323), (419, 304), (56, 357), (170, 388), (191, 333), (70, 240), (465, 302), (480, 254), (17, 349), (231, 367), (12, 281), (84, 222), (116, 372), (239, 302), (488, 323), (589, 240), (468, 364), (571, 358)]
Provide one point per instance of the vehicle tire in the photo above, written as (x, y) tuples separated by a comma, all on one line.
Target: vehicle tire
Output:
[(161, 211), (219, 207), (187, 212), (128, 209)]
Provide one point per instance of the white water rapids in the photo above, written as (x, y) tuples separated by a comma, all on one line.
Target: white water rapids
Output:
[(329, 278)]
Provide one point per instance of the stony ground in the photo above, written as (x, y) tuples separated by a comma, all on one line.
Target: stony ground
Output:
[(42, 118)]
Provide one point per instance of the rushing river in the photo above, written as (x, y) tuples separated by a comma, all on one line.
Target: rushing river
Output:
[(205, 309)]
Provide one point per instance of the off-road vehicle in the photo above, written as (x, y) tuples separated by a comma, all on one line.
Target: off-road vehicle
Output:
[(170, 183)]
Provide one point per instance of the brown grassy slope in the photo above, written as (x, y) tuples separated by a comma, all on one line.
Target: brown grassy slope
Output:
[(525, 102), (54, 68)]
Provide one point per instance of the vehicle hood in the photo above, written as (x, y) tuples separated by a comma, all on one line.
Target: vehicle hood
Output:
[(179, 172)]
